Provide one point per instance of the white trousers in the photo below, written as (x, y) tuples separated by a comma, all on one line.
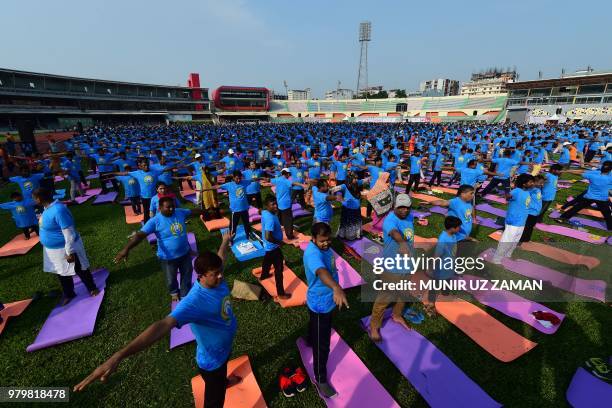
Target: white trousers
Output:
[(508, 242)]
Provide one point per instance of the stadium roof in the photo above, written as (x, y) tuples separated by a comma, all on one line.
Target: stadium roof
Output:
[(568, 80)]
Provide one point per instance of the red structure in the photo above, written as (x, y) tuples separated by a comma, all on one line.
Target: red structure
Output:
[(196, 94), (241, 98)]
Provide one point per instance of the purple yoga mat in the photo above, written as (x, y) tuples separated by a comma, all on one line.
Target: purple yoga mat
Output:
[(513, 305), (191, 198), (254, 215), (365, 248), (92, 176), (491, 210), (356, 385), (298, 211), (75, 320), (572, 233), (588, 391), (495, 199), (420, 214), (181, 336), (484, 221), (595, 289), (348, 277), (439, 381), (106, 198), (584, 221)]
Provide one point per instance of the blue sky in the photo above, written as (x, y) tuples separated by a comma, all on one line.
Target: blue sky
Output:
[(308, 44)]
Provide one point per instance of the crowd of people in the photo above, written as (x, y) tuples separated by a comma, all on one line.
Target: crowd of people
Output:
[(313, 165)]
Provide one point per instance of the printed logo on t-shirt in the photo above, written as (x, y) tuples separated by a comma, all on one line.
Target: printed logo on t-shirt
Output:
[(132, 181), (28, 186), (231, 163), (317, 164), (226, 309), (20, 209), (527, 201), (468, 214), (239, 192), (539, 195), (408, 234), (176, 228), (148, 179)]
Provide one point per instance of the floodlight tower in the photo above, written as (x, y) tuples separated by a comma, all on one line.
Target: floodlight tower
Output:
[(365, 36)]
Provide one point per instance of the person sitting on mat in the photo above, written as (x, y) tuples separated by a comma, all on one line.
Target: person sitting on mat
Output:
[(323, 295), (398, 238), (208, 310), (173, 248), (22, 211), (519, 201), (63, 249), (272, 237)]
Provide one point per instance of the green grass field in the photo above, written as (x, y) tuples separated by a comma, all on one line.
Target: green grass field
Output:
[(136, 296)]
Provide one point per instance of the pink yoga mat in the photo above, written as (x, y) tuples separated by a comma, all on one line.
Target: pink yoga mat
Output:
[(348, 277), (75, 320), (584, 221), (439, 381), (513, 305), (484, 221), (356, 385), (491, 210), (572, 233), (595, 289)]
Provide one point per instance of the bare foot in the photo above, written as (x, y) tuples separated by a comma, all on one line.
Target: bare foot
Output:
[(233, 380), (400, 320), (285, 296), (95, 292), (375, 335)]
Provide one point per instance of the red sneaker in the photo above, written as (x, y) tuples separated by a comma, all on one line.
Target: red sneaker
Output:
[(286, 384), (300, 380)]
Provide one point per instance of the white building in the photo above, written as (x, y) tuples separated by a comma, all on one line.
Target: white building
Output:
[(299, 94), (339, 94), (440, 87), (492, 82)]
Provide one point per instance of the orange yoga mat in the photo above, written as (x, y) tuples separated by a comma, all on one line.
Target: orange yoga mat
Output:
[(586, 211), (558, 254), (500, 341), (186, 191), (214, 225), (246, 394), (447, 190), (293, 285), (364, 212), (425, 243), (424, 197), (13, 310), (130, 217), (18, 245)]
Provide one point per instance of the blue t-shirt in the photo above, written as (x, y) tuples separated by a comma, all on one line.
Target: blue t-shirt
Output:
[(270, 222), (340, 168), (415, 164), (518, 207), (314, 169), (535, 206), (565, 156), (470, 176), (504, 167), (446, 249), (208, 311), (438, 162), (53, 220), (252, 176), (154, 206), (549, 190), (147, 182), (599, 185), (374, 173), (22, 212), (283, 192), (320, 297), (349, 201), (464, 211), (237, 195), (405, 227), (297, 176), (28, 184), (130, 186), (323, 208), (171, 233), (104, 162)]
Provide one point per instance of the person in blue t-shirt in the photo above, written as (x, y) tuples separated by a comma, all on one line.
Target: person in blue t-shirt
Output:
[(22, 211), (600, 184), (272, 237), (437, 160), (323, 295), (446, 251), (253, 191), (415, 171), (519, 201), (163, 190), (323, 210), (131, 190), (549, 189), (63, 250), (173, 248), (208, 310), (504, 168), (461, 207), (398, 239), (27, 181), (535, 207), (283, 199)]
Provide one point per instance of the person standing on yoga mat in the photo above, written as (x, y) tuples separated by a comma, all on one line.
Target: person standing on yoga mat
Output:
[(322, 202), (23, 213), (549, 189), (398, 238), (131, 189), (461, 207), (283, 198), (272, 237), (27, 181), (519, 201), (535, 208), (600, 184), (63, 250), (208, 310), (324, 294), (173, 248)]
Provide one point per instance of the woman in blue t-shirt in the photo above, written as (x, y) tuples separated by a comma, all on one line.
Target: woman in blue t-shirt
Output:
[(208, 310)]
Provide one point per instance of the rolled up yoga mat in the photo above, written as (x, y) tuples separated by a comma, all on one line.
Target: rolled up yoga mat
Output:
[(355, 384), (439, 381)]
